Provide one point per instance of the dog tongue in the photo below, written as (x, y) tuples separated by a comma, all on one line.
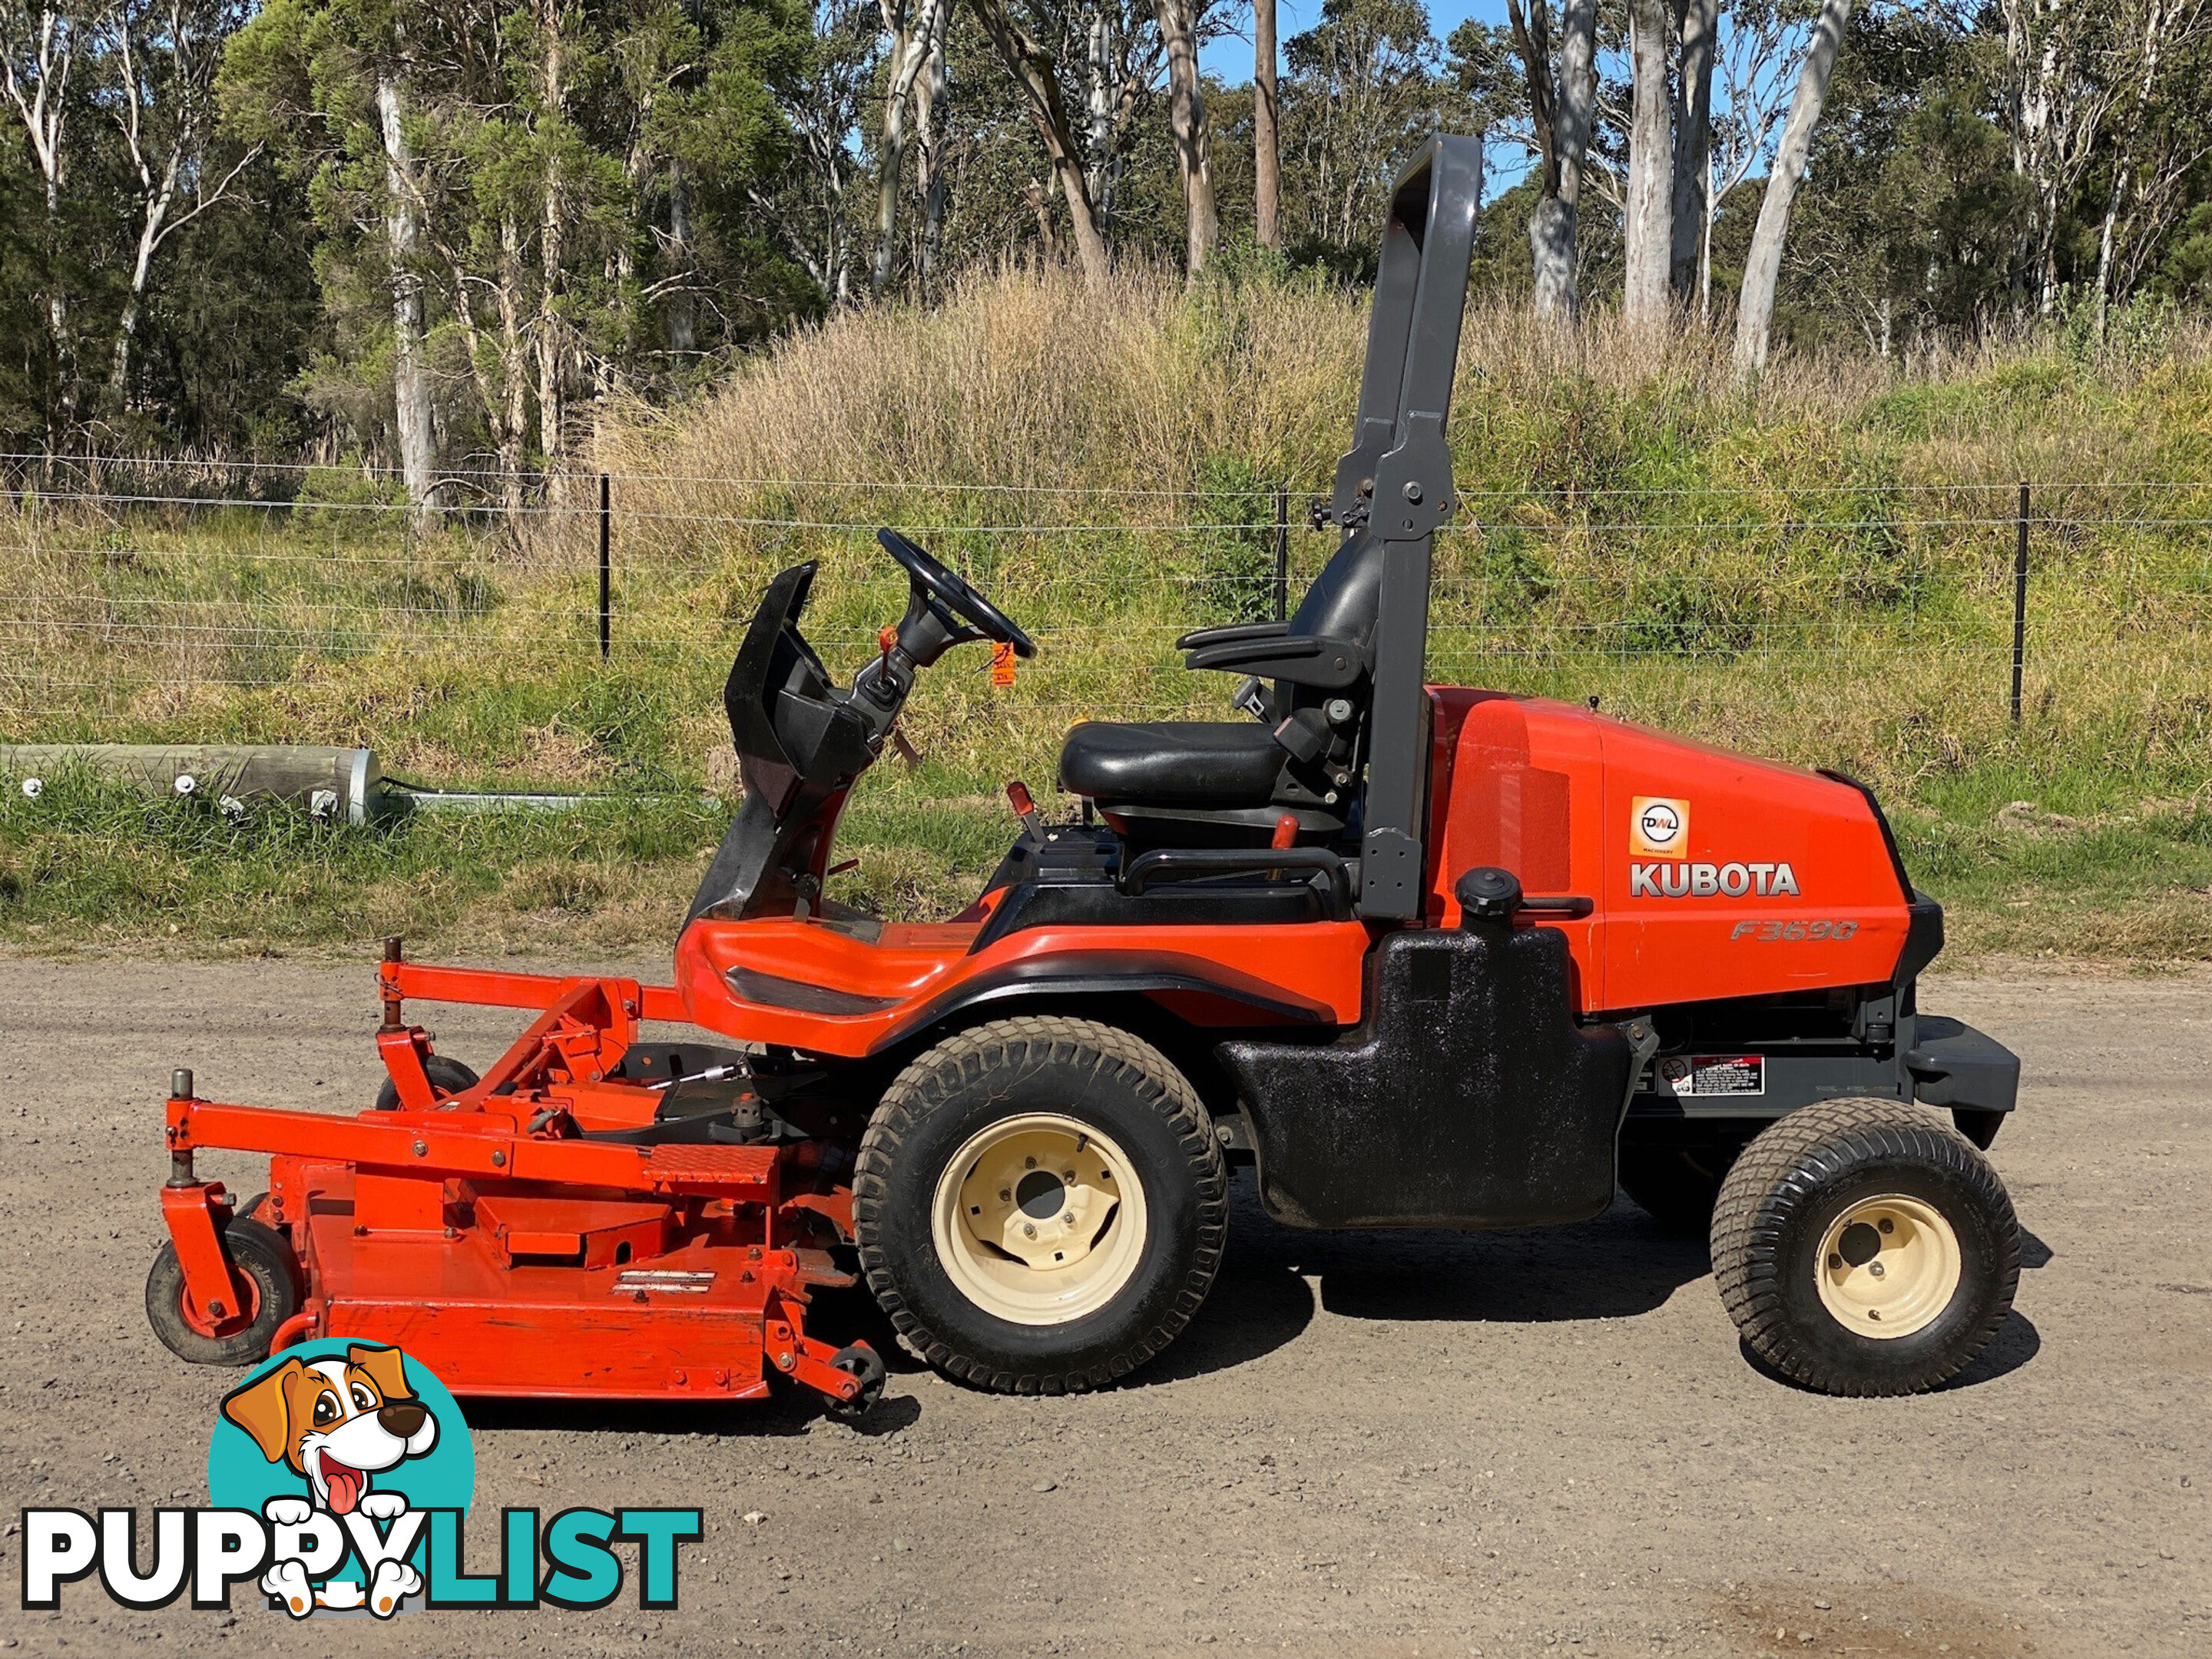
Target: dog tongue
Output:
[(345, 1486)]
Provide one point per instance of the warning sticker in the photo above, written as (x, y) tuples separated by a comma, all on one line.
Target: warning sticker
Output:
[(1715, 1074)]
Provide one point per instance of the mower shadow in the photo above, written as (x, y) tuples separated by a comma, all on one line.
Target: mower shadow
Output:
[(1619, 1265)]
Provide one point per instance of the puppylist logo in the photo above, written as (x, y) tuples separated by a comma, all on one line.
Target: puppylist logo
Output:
[(338, 1477)]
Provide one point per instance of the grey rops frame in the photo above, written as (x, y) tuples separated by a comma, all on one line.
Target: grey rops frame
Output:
[(1395, 484)]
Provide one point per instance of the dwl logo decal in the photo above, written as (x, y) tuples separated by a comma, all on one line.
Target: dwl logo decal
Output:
[(339, 1477)]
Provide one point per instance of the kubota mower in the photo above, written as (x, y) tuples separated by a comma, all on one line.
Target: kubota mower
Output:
[(1423, 956)]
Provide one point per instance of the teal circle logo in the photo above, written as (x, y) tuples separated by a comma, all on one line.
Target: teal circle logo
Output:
[(338, 1441)]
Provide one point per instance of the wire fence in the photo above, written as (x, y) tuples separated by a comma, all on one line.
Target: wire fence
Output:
[(174, 599)]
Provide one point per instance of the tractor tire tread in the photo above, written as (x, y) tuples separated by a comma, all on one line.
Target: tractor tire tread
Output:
[(965, 1058), (1791, 1158)]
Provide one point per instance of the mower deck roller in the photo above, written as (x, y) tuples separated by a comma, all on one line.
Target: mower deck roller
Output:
[(1420, 956)]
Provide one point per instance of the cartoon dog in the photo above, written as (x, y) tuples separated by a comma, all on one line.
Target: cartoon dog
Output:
[(337, 1423)]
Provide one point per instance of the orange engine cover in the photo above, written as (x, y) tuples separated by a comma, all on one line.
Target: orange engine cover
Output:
[(1713, 874)]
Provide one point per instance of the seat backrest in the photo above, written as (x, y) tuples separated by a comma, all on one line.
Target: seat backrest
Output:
[(1345, 598)]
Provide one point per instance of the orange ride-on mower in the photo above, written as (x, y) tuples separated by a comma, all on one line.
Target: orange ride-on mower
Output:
[(1423, 956)]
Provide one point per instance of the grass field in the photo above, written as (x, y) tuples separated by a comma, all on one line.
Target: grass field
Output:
[(1817, 568)]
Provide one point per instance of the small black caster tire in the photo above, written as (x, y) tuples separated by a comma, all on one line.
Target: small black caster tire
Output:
[(447, 1077), (260, 1253), (865, 1363), (1864, 1248)]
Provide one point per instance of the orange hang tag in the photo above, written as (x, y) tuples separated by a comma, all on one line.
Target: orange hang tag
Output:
[(1002, 664)]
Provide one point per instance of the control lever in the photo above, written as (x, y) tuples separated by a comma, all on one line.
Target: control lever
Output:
[(1018, 797), (1285, 838)]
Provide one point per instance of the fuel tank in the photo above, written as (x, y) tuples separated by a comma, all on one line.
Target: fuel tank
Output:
[(1710, 874)]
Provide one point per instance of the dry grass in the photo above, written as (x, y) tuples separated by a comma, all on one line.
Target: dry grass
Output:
[(1817, 568)]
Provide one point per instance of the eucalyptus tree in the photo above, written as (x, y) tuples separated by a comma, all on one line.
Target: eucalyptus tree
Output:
[(1562, 91)]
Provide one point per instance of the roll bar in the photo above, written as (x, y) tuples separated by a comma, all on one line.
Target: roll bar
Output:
[(1394, 484)]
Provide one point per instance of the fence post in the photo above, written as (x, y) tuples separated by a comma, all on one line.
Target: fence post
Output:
[(1282, 552), (607, 567), (2019, 603)]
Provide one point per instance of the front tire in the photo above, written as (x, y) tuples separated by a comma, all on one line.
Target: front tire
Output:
[(1862, 1248), (1040, 1205)]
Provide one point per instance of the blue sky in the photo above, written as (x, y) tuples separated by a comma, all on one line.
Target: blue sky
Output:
[(1231, 59)]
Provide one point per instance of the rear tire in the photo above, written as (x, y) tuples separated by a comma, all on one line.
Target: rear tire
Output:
[(1863, 1247), (260, 1253), (1040, 1205), (447, 1077)]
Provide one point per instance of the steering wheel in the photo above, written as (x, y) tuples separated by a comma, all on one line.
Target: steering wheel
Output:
[(955, 594)]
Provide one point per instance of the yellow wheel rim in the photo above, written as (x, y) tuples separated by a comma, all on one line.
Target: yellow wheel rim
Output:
[(1888, 1267), (1039, 1219)]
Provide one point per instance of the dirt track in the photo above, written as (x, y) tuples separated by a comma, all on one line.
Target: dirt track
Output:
[(1400, 1444)]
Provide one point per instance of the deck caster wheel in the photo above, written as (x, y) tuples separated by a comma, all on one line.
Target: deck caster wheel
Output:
[(1040, 1205), (1863, 1247), (271, 1272), (865, 1363), (447, 1077)]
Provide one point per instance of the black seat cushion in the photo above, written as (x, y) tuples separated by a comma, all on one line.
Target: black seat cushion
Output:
[(1173, 762)]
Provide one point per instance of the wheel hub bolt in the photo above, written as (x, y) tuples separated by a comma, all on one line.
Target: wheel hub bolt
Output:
[(1888, 1225), (1835, 1261), (1006, 1194), (1028, 1163), (1069, 1219), (1029, 1229), (1876, 1269)]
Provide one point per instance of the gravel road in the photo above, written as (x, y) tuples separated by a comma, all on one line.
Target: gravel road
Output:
[(1510, 1443)]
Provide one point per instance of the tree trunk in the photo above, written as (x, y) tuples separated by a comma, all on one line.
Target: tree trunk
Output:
[(1649, 231), (513, 437), (1193, 139), (910, 50), (551, 341), (929, 174), (410, 384), (1267, 147), (1102, 173), (42, 104), (682, 305), (1705, 205), (153, 219), (1033, 70), (1551, 222), (1698, 22), (1762, 269), (1575, 116)]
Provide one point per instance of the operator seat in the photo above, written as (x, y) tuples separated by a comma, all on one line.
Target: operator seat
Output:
[(1228, 782)]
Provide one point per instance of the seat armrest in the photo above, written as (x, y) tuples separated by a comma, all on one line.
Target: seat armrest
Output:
[(1200, 637), (1311, 660)]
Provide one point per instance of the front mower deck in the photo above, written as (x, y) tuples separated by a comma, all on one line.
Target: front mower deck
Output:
[(552, 1230)]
